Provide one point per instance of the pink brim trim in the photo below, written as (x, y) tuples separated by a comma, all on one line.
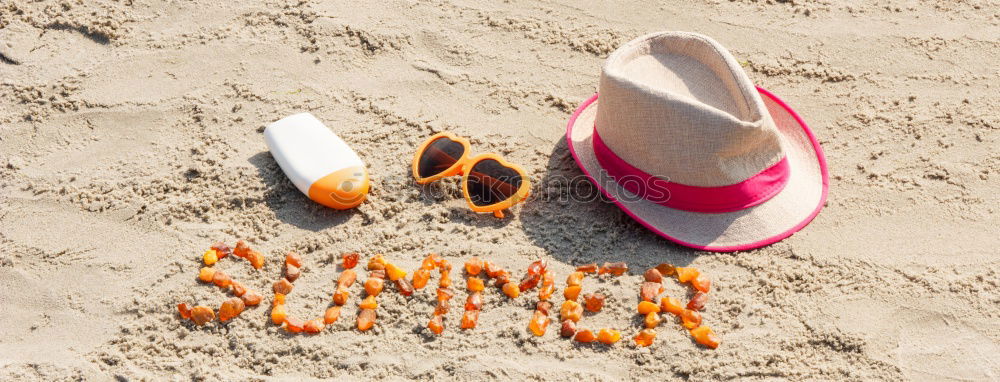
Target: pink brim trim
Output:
[(732, 248)]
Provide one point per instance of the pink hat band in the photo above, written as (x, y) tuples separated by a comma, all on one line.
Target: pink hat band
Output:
[(748, 193)]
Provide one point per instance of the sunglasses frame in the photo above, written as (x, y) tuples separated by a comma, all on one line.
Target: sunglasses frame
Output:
[(463, 166)]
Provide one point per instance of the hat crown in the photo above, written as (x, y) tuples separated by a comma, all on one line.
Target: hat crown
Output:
[(678, 106)]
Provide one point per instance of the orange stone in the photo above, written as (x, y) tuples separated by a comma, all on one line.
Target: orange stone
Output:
[(292, 272), (377, 273), (572, 292), (647, 307), (469, 319), (502, 278), (340, 296), (615, 269), (206, 274), (332, 315), (571, 310), (347, 278), (698, 301), (314, 326), (278, 314), (568, 328), (377, 262), (575, 279), (279, 299), (294, 325), (445, 280), (686, 274), (222, 280), (539, 322), (373, 286), (242, 249), (594, 301), (445, 294), (429, 263), (366, 319), (588, 268), (350, 260), (475, 284), (705, 336), (210, 257), (650, 290), (442, 264), (537, 267), (282, 286), (666, 269), (238, 289), (545, 292), (185, 310), (511, 290), (292, 258), (394, 272), (201, 315), (368, 303), (585, 335), (474, 266), (251, 298), (702, 283), (671, 305), (222, 250), (492, 270), (544, 307), (256, 259), (442, 307), (609, 336), (690, 319), (645, 337), (404, 287), (420, 278), (652, 320), (436, 325), (529, 281), (652, 275), (230, 309), (474, 301)]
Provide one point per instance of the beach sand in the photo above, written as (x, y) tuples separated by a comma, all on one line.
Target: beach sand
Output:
[(130, 140)]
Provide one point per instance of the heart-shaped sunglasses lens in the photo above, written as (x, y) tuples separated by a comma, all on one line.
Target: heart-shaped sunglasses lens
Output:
[(490, 182), (439, 156)]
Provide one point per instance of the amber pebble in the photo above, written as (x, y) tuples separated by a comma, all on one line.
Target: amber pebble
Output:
[(475, 284), (222, 280), (529, 281), (539, 322), (568, 329), (210, 257), (666, 269), (184, 309), (256, 259), (701, 283), (652, 320), (650, 290), (609, 336), (544, 307), (442, 307), (282, 286), (686, 274), (340, 296), (420, 278), (373, 286), (222, 250), (201, 315), (443, 264), (474, 266), (366, 319), (378, 273), (575, 279), (593, 301), (588, 268), (645, 307), (429, 262), (242, 249), (615, 269), (571, 310), (347, 278), (350, 260), (698, 301), (279, 299), (404, 287), (394, 272), (331, 315), (206, 274), (238, 288), (445, 294), (278, 314), (294, 325), (377, 262), (445, 280), (314, 326), (690, 319), (436, 325), (671, 305), (705, 336), (584, 335), (653, 275), (511, 290), (230, 309), (474, 301), (572, 292), (545, 292), (251, 298), (469, 319), (368, 303), (548, 279), (492, 270), (292, 272), (645, 337), (503, 277), (292, 258), (537, 267)]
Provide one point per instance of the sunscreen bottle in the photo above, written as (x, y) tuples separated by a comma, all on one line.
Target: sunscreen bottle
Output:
[(317, 161)]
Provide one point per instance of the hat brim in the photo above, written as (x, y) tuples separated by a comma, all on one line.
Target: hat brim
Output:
[(779, 217)]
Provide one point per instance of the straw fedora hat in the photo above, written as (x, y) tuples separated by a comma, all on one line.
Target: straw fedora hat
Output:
[(681, 140)]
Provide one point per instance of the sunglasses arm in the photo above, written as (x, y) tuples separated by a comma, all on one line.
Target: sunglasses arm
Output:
[(498, 214)]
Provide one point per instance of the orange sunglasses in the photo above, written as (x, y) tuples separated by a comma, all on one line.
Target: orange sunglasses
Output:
[(489, 183)]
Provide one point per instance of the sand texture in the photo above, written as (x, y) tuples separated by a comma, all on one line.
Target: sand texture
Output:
[(130, 140)]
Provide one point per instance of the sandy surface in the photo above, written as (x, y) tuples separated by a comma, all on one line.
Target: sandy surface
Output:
[(130, 139)]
